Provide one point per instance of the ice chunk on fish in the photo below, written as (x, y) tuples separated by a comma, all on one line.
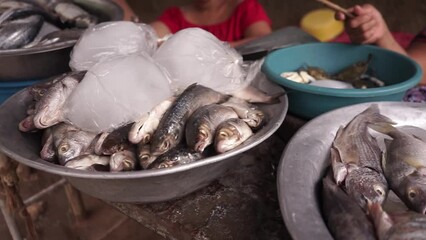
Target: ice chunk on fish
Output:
[(194, 55), (106, 40), (116, 92)]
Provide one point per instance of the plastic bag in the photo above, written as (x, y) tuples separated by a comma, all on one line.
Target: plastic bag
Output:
[(109, 39), (116, 92), (195, 55)]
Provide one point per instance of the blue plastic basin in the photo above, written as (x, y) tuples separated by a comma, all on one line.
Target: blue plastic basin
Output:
[(7, 89), (399, 73)]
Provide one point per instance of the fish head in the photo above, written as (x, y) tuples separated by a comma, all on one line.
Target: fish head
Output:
[(165, 143), (227, 138), (413, 189), (204, 138), (366, 185), (68, 149)]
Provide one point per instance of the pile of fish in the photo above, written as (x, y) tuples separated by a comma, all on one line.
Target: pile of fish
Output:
[(197, 123), (26, 23), (363, 176), (353, 76)]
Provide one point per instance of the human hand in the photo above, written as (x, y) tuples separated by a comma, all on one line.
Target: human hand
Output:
[(368, 25)]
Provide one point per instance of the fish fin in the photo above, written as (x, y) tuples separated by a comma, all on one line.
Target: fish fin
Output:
[(339, 169), (383, 161), (382, 127)]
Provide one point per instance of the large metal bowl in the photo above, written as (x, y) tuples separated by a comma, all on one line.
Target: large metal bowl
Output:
[(41, 62), (138, 186), (306, 157)]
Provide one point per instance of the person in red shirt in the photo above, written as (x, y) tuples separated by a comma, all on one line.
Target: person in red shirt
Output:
[(233, 21)]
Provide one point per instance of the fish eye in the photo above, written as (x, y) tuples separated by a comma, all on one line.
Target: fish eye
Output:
[(379, 190), (166, 145), (223, 134), (63, 148), (412, 193)]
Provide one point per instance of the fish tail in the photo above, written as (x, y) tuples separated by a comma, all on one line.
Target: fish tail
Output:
[(374, 116)]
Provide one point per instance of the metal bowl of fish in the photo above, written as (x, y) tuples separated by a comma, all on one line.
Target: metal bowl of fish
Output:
[(37, 36), (320, 77), (374, 153), (178, 173)]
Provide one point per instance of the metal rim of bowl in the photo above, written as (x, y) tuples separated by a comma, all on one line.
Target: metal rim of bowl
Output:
[(63, 171), (372, 92), (286, 161)]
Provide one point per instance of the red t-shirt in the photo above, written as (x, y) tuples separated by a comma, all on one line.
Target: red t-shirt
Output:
[(245, 14)]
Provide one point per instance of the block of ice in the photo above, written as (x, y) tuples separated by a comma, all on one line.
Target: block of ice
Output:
[(117, 91), (109, 39), (195, 55)]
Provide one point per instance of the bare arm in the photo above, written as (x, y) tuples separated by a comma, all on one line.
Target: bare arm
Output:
[(254, 31), (129, 14), (160, 28), (417, 51), (369, 27)]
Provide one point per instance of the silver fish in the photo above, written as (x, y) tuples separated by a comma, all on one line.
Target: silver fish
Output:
[(64, 35), (171, 128), (143, 129), (354, 151), (27, 124), (230, 134), (74, 15), (408, 225), (144, 155), (202, 124), (404, 165), (49, 110), (87, 161), (343, 216), (254, 95), (251, 114), (177, 156), (115, 141), (48, 151), (17, 33), (123, 161), (70, 141)]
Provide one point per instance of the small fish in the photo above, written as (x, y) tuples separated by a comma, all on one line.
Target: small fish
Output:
[(354, 152), (408, 225), (61, 36), (343, 216), (202, 124), (73, 15), (87, 162), (255, 95), (231, 134), (144, 155), (318, 73), (176, 156), (27, 125), (48, 152), (251, 114), (116, 141), (171, 128), (17, 33), (353, 72), (70, 141), (49, 110), (143, 129), (404, 165), (123, 161)]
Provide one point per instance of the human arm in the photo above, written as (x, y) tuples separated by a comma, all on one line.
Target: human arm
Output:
[(129, 14), (369, 27), (254, 31), (417, 51)]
